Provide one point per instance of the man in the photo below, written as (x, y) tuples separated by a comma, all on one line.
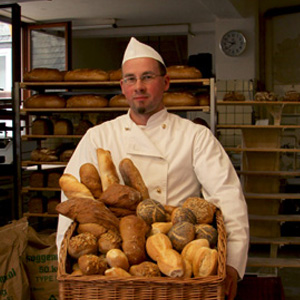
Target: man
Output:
[(175, 157)]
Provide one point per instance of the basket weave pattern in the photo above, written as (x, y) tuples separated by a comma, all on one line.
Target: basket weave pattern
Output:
[(140, 288)]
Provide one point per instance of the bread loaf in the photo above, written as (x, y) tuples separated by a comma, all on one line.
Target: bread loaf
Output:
[(183, 72), (202, 209), (171, 263), (291, 96), (83, 126), (81, 101), (205, 262), (63, 127), (192, 247), (203, 99), (73, 188), (90, 177), (44, 101), (37, 179), (156, 245), (44, 154), (91, 264), (233, 96), (36, 204), (42, 126), (118, 101), (66, 155), (133, 232), (83, 243), (145, 269), (181, 234), (116, 272), (151, 211), (86, 74), (43, 74), (207, 231), (123, 196), (96, 229), (132, 177), (120, 212), (109, 240), (181, 214), (53, 178), (108, 172), (87, 210), (179, 99), (115, 75), (51, 205), (117, 258)]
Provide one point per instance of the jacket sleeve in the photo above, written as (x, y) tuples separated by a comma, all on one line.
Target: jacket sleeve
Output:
[(221, 186)]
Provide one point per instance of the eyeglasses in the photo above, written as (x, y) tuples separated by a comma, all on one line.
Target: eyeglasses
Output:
[(146, 79)]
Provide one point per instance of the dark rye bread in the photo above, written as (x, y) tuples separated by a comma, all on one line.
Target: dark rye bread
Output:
[(151, 211), (181, 234), (207, 231)]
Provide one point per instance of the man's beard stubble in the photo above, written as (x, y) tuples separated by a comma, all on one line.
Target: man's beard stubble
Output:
[(141, 110)]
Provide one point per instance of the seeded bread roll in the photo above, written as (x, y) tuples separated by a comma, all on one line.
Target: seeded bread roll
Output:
[(43, 74), (203, 210), (96, 229), (205, 262), (133, 231), (86, 74), (151, 211), (109, 240), (82, 101), (44, 101), (90, 177), (132, 177), (118, 195), (91, 264), (107, 169), (117, 258), (181, 234), (83, 243), (207, 231), (145, 269), (181, 214)]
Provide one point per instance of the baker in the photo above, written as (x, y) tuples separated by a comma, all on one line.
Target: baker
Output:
[(176, 157)]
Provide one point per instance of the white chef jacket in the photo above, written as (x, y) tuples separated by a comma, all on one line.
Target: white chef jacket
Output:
[(176, 158)]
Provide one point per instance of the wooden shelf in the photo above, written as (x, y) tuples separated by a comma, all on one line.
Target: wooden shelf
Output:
[(226, 126), (273, 262), (26, 163), (39, 189), (50, 136), (271, 173), (275, 240), (276, 218), (252, 102), (265, 196), (40, 215), (280, 150)]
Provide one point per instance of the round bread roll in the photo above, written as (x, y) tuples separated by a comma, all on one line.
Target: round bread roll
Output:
[(115, 75), (291, 96), (181, 214), (179, 99), (151, 211), (91, 264), (63, 127), (109, 240), (86, 75), (86, 101), (118, 101), (83, 243), (145, 269), (205, 262), (203, 210), (117, 258), (44, 101), (207, 231), (171, 263), (156, 244), (116, 272), (94, 228), (181, 234), (43, 74), (42, 126), (183, 72), (192, 247), (265, 96)]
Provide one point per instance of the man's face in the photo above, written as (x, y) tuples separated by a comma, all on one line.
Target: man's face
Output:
[(144, 96)]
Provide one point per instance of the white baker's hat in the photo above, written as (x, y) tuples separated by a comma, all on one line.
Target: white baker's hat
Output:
[(136, 49)]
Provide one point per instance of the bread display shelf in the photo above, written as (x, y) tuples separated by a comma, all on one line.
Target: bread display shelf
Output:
[(276, 218), (38, 189), (252, 102), (271, 173), (40, 215), (52, 136), (285, 240), (26, 163), (267, 150), (226, 126), (279, 196), (273, 262)]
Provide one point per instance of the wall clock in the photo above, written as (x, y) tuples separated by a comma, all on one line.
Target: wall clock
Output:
[(233, 43)]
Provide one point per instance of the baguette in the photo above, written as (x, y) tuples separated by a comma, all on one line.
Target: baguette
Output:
[(89, 176), (108, 172), (132, 177)]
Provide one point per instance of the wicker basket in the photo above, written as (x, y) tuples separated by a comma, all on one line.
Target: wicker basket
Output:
[(141, 288)]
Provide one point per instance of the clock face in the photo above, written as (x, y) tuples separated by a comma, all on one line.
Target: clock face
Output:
[(233, 43)]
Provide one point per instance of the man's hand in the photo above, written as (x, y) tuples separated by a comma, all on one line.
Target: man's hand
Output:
[(231, 283)]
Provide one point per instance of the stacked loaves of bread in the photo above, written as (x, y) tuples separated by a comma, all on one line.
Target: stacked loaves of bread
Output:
[(121, 231)]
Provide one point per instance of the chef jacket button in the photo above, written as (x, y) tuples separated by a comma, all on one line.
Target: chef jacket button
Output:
[(164, 126), (158, 190), (127, 128)]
